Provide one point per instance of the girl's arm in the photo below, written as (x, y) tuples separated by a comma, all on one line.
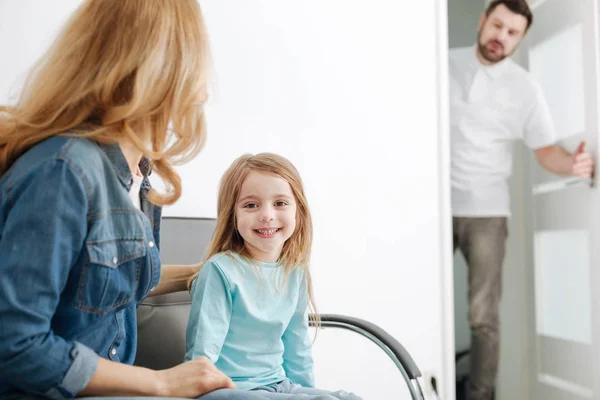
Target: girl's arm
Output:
[(210, 314), (297, 355), (173, 278)]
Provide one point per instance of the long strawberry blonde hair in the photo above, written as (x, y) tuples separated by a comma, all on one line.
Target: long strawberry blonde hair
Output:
[(226, 238), (135, 69)]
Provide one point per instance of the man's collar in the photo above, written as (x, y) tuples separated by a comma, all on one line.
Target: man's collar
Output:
[(494, 70)]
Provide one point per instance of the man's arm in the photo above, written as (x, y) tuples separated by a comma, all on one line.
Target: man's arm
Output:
[(559, 161), (174, 278)]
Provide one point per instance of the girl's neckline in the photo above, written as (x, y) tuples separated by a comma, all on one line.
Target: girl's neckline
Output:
[(263, 264), (266, 264)]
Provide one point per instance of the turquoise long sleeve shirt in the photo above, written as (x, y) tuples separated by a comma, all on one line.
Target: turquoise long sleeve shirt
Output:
[(249, 324)]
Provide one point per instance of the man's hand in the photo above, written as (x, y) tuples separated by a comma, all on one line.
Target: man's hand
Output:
[(583, 163), (191, 379)]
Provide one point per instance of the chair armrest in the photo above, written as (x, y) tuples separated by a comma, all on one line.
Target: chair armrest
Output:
[(384, 340)]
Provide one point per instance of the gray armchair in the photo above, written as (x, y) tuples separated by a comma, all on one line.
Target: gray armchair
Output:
[(162, 320)]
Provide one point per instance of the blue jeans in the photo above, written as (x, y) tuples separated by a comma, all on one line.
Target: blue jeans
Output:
[(284, 390)]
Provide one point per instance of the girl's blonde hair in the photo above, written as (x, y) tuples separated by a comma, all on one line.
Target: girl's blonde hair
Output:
[(296, 250), (133, 69)]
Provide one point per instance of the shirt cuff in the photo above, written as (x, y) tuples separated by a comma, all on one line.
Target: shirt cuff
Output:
[(79, 374)]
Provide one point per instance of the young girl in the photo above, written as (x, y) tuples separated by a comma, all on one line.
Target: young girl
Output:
[(249, 308)]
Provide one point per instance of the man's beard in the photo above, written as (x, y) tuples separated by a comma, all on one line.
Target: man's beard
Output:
[(492, 57)]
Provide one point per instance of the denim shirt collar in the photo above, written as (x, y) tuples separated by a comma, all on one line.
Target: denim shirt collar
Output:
[(117, 159)]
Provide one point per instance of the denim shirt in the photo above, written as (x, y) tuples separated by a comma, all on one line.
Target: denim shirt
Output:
[(76, 258)]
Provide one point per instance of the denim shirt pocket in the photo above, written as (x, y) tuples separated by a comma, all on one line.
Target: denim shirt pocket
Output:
[(111, 271)]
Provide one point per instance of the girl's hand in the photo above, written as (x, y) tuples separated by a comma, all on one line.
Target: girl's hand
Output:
[(191, 379)]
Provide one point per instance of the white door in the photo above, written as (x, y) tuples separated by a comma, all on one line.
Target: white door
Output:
[(564, 332)]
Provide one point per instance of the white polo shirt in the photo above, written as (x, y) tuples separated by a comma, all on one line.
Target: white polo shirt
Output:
[(490, 108)]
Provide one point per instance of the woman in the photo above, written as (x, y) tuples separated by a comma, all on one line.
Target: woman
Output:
[(119, 95)]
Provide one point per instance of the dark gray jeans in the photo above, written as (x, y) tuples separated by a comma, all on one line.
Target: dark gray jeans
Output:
[(483, 242)]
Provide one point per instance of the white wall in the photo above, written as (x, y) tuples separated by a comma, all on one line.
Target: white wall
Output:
[(27, 27), (350, 94)]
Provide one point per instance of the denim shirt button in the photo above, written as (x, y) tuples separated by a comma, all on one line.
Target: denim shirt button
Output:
[(115, 260), (151, 244), (113, 351), (152, 288)]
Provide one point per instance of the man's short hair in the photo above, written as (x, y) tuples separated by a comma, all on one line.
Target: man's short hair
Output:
[(517, 6)]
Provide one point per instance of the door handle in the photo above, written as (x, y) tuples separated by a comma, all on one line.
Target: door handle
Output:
[(554, 186)]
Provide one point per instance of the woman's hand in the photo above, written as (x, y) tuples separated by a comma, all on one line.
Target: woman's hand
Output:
[(192, 379), (188, 380)]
